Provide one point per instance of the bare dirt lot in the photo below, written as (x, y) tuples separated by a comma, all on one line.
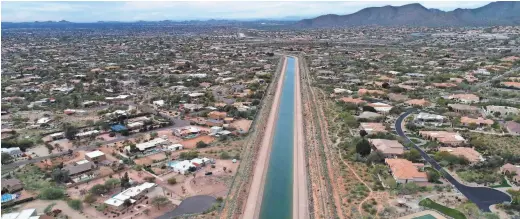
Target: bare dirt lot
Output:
[(192, 143)]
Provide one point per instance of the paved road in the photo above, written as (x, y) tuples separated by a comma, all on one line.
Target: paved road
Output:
[(192, 205), (483, 197)]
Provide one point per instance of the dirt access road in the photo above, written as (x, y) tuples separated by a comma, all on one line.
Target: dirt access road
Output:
[(254, 198), (300, 193)]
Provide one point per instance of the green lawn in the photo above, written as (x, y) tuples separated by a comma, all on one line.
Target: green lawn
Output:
[(502, 184), (443, 209)]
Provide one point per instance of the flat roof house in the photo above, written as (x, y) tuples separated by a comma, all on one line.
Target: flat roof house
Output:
[(132, 194), (390, 148), (12, 185), (24, 214), (95, 156), (151, 144), (404, 171)]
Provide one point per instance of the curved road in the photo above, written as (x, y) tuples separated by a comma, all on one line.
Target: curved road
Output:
[(483, 197)]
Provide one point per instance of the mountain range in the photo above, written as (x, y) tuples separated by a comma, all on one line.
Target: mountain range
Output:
[(495, 13)]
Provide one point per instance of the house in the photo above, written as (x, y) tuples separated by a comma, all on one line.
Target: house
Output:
[(24, 214), (369, 115), (478, 121), (183, 166), (57, 136), (175, 147), (468, 153), (151, 144), (444, 85), (14, 152), (429, 119), (133, 194), (372, 127), (215, 129), (404, 171), (511, 169), (158, 103), (356, 101), (217, 115), (44, 120), (214, 122), (381, 107), (418, 102), (513, 127), (501, 111), (444, 137), (512, 84), (342, 90), (87, 134), (95, 156), (389, 148), (12, 185), (186, 131), (364, 91), (79, 169), (462, 108), (465, 98), (397, 97)]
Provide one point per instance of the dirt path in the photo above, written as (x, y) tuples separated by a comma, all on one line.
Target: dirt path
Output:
[(327, 203), (300, 193), (254, 199)]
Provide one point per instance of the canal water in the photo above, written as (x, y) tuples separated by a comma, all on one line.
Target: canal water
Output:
[(277, 197)]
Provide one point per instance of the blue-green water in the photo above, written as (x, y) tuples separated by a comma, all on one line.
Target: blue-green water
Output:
[(278, 191)]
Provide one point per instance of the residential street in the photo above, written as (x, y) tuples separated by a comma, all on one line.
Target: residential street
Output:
[(483, 197)]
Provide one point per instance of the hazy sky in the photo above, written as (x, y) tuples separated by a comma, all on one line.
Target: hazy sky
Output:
[(153, 11)]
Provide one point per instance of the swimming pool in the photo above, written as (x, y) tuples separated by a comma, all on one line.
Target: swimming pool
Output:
[(172, 163)]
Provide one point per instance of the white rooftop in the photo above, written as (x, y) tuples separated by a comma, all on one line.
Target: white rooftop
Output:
[(94, 154)]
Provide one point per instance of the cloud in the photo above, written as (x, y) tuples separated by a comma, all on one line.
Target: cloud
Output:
[(150, 10)]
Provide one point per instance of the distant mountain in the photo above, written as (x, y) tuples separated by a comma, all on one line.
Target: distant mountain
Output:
[(495, 13)]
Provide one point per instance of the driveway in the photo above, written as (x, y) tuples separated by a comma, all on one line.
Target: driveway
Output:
[(483, 197), (192, 205)]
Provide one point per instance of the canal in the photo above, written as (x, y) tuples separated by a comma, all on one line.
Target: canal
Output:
[(278, 190)]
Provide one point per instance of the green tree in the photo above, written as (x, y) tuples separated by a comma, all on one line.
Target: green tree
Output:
[(6, 158), (99, 189), (125, 181), (189, 155), (70, 131), (433, 176), (154, 134), (60, 176), (160, 201), (112, 183), (52, 193), (224, 155), (75, 204), (89, 198), (363, 147), (412, 155), (172, 181), (201, 144)]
